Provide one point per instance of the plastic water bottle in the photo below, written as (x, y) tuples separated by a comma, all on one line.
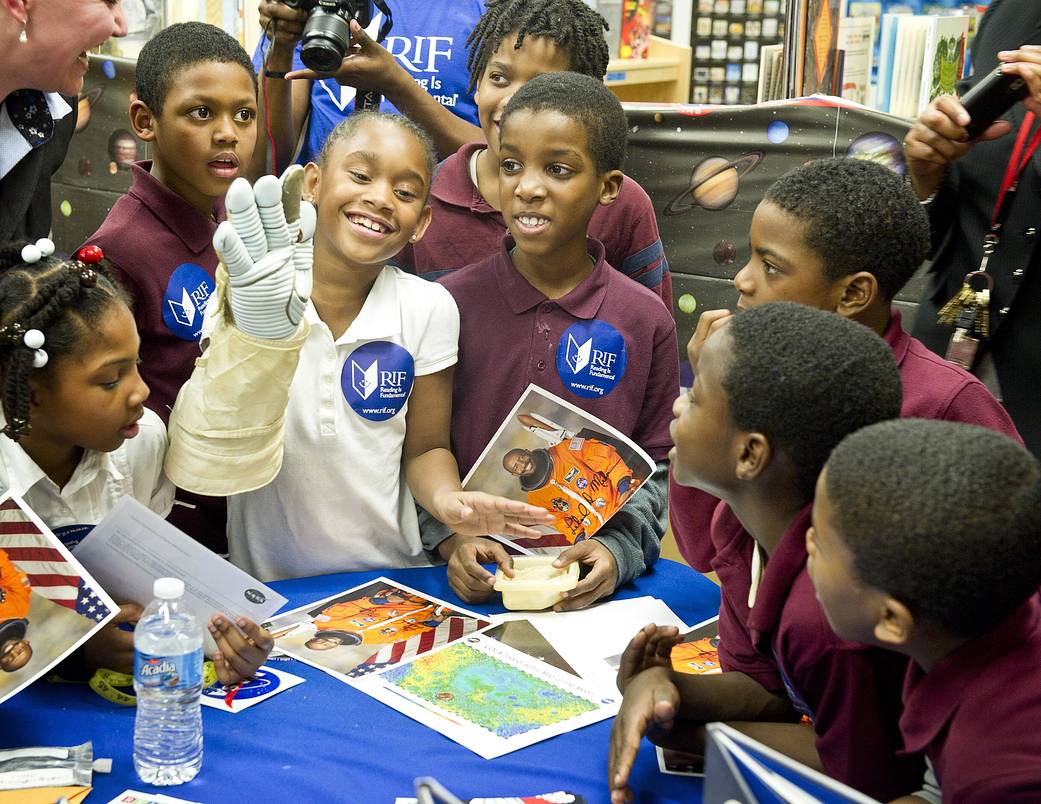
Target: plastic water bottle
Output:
[(168, 683)]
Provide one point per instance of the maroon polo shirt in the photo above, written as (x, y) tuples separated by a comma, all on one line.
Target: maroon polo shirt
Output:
[(851, 692), (149, 234), (511, 335), (977, 714), (466, 229), (933, 389)]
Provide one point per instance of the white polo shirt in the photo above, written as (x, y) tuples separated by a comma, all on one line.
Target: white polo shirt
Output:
[(99, 481), (340, 502)]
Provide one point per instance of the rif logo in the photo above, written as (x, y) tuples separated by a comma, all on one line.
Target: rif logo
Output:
[(184, 302), (377, 379), (591, 358)]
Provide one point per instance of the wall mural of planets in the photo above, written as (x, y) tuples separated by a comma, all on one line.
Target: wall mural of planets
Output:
[(707, 168)]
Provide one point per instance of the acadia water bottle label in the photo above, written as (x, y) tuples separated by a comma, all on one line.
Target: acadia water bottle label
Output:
[(169, 672)]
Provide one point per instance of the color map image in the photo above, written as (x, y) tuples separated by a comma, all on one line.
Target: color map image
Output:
[(487, 692)]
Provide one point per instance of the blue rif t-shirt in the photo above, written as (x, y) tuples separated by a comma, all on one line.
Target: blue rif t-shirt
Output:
[(429, 41)]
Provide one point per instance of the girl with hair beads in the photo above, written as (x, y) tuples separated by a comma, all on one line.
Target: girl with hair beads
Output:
[(76, 436)]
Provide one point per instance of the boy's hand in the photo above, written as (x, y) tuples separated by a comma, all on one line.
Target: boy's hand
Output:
[(937, 139), (240, 650), (367, 65), (1026, 63), (710, 322), (474, 513), (287, 23), (267, 247), (651, 700), (112, 647), (651, 647), (601, 580), (468, 579)]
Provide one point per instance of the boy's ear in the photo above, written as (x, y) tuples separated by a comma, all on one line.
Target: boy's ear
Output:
[(895, 625), (424, 222), (142, 120), (610, 186), (754, 456), (860, 292)]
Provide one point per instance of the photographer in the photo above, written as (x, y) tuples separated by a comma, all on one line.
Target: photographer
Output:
[(43, 46), (960, 181), (421, 72)]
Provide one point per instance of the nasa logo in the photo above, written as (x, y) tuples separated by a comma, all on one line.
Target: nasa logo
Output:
[(184, 302), (581, 482), (263, 683), (377, 379), (255, 596), (591, 358)]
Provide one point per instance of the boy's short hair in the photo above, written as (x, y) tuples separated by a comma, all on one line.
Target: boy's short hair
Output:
[(586, 101), (345, 129), (859, 216), (943, 516), (177, 48), (805, 379), (571, 24)]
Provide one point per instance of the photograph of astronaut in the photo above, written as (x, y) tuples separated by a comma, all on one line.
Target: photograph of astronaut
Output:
[(551, 454)]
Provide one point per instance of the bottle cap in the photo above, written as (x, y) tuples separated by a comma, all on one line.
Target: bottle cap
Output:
[(168, 588)]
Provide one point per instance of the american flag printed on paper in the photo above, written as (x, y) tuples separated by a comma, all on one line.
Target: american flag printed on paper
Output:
[(450, 630), (50, 572)]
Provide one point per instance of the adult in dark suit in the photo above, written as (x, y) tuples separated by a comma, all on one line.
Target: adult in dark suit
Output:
[(43, 58), (959, 181)]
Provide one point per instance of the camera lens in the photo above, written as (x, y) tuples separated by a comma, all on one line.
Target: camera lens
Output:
[(325, 40)]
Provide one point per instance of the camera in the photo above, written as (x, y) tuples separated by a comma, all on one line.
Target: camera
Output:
[(327, 32)]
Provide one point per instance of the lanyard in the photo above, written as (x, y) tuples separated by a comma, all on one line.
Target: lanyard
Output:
[(1022, 153)]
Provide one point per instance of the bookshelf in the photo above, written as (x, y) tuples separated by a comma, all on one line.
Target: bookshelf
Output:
[(663, 77)]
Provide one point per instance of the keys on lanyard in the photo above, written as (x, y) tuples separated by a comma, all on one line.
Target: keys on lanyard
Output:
[(969, 311)]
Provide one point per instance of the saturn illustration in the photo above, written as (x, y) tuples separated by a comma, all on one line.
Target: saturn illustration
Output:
[(714, 183), (85, 103)]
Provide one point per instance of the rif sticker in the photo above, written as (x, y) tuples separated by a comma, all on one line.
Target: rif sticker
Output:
[(377, 379), (71, 535), (591, 358), (185, 300)]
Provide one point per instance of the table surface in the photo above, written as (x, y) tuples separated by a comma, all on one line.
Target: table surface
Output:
[(325, 741)]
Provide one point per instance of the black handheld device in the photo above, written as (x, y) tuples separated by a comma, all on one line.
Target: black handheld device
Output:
[(994, 95)]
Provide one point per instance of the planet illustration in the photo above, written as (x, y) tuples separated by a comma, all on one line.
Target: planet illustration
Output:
[(108, 68), (84, 104), (880, 148), (85, 167), (714, 183), (66, 208), (724, 252), (777, 132), (687, 303)]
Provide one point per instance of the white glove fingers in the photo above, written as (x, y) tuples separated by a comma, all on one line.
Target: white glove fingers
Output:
[(242, 212), (229, 247), (268, 192), (292, 191), (308, 220), (269, 266)]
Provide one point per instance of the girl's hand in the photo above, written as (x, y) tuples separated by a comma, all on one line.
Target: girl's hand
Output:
[(112, 647), (240, 650), (465, 555), (474, 513)]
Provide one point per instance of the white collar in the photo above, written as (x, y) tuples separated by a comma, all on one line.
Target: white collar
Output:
[(23, 473), (13, 146)]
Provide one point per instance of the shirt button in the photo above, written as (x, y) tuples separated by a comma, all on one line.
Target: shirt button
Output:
[(1030, 234), (541, 365), (1017, 274), (1003, 311)]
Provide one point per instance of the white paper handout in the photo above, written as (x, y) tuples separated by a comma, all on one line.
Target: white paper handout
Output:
[(49, 603), (267, 681), (133, 546), (369, 627), (554, 455), (489, 697)]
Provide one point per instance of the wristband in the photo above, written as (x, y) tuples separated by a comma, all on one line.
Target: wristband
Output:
[(275, 74), (105, 683)]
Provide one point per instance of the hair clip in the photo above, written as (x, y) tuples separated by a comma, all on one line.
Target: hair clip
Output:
[(33, 252), (12, 333), (16, 428), (34, 340), (85, 257)]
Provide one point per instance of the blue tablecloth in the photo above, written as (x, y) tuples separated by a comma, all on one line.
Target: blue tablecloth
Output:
[(325, 741)]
